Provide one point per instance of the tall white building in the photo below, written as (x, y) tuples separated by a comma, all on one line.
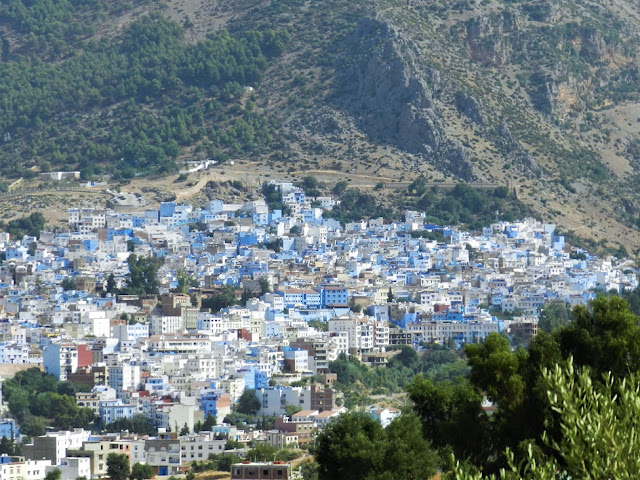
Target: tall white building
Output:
[(124, 377)]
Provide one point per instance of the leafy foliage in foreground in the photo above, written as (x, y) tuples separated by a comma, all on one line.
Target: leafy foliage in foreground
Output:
[(598, 423), (356, 446), (549, 419), (604, 338)]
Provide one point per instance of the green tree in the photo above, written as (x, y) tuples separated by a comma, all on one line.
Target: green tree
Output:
[(185, 279), (351, 447), (407, 357), (19, 405), (340, 187), (262, 452), (143, 275), (553, 315), (292, 410), (141, 471), (68, 283), (54, 474), (224, 298), (452, 417), (233, 444), (319, 325), (224, 462), (356, 446), (407, 454), (209, 422), (6, 446), (495, 369), (309, 470), (605, 336), (33, 427), (111, 283), (139, 424), (31, 225), (118, 466), (390, 297), (207, 425), (265, 287), (246, 295), (598, 422), (248, 403)]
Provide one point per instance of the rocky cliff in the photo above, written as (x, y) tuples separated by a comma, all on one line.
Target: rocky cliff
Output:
[(542, 95), (381, 83)]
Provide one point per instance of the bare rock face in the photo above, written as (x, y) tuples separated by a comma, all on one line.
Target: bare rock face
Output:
[(391, 96), (530, 163), (555, 91), (594, 47), (514, 152), (469, 107), (489, 39), (486, 42), (543, 92)]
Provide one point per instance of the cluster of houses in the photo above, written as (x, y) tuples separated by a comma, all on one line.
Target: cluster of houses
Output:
[(307, 290), (79, 453)]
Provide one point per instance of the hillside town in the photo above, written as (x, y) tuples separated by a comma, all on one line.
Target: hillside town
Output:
[(175, 313)]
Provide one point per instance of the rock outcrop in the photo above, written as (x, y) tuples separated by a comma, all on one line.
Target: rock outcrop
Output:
[(391, 97), (469, 107)]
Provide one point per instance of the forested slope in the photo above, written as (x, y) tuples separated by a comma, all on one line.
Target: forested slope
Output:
[(126, 106)]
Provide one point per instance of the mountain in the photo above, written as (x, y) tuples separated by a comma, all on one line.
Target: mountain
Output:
[(537, 95)]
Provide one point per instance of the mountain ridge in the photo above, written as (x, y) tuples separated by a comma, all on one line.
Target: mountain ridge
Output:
[(542, 95)]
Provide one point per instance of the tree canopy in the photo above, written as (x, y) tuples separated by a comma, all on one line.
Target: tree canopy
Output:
[(124, 105), (603, 337), (139, 424), (33, 396), (141, 471), (31, 225), (143, 275), (248, 403), (356, 446), (565, 403), (224, 298), (598, 423), (118, 466)]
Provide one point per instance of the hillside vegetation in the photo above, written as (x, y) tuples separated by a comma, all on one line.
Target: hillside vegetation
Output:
[(538, 95), (565, 406), (130, 106)]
